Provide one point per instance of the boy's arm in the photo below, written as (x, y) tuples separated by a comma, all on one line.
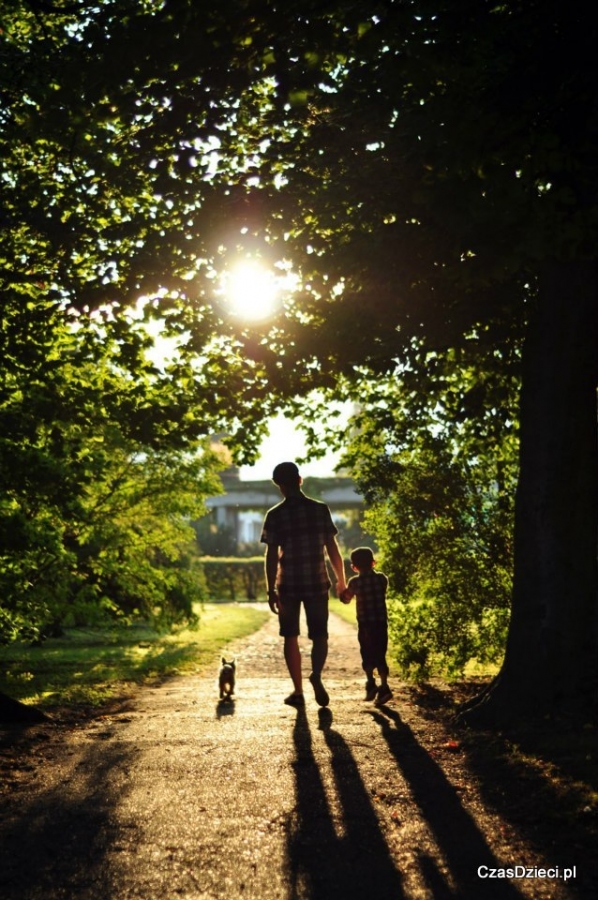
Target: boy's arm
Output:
[(337, 563)]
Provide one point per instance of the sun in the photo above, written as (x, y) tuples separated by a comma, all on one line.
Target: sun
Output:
[(251, 290)]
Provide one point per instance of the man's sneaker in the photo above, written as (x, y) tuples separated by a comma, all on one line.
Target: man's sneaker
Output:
[(295, 700), (384, 695), (371, 689), (320, 692)]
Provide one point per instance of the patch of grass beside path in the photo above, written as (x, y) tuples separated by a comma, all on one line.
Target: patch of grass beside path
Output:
[(91, 665), (345, 611)]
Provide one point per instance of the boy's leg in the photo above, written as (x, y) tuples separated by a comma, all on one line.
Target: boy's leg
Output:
[(369, 673), (371, 688), (381, 650), (385, 693), (367, 662), (367, 650)]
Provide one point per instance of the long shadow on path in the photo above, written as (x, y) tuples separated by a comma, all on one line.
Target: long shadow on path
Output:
[(335, 856), (55, 846), (461, 843)]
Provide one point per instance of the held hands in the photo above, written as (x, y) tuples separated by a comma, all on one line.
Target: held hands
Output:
[(342, 591), (345, 595)]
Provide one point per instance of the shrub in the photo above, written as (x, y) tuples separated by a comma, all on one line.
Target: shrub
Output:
[(234, 578)]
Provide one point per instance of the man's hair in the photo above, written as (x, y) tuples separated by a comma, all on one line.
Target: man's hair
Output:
[(362, 558), (286, 473)]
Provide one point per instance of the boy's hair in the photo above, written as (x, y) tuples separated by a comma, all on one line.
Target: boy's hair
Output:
[(286, 473), (362, 558)]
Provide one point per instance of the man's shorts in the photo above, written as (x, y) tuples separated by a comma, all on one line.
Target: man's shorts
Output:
[(316, 613)]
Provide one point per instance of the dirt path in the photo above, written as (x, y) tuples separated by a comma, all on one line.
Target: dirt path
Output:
[(174, 796)]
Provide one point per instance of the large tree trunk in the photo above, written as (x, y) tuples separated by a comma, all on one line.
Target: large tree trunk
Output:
[(551, 660)]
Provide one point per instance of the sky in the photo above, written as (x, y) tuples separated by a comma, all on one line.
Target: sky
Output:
[(285, 443)]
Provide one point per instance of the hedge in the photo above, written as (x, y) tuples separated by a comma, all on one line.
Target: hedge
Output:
[(234, 577)]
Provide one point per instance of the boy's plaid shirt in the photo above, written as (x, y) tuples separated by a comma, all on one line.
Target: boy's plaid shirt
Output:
[(369, 589), (300, 527)]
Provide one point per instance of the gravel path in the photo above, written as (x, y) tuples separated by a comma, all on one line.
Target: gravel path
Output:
[(174, 795)]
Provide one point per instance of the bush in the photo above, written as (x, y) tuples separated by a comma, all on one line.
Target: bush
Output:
[(444, 531), (233, 577)]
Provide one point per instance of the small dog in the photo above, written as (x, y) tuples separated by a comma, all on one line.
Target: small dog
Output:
[(226, 679)]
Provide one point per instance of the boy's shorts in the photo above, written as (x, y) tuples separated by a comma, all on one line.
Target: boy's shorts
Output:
[(316, 613)]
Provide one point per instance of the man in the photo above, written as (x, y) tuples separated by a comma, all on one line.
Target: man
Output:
[(296, 532)]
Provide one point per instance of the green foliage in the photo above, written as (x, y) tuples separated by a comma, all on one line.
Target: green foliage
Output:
[(352, 532), (434, 451), (124, 549), (110, 123), (93, 518), (213, 539), (102, 451), (234, 578), (446, 546)]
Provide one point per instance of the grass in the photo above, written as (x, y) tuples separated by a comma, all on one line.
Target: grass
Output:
[(92, 665), (345, 611)]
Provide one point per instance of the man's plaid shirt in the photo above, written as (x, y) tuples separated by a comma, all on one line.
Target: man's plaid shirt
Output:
[(369, 589), (300, 527)]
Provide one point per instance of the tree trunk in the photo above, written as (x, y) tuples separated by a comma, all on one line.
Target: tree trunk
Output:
[(551, 660)]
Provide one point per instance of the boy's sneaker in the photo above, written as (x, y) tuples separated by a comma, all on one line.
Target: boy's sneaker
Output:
[(320, 692), (384, 695), (371, 689)]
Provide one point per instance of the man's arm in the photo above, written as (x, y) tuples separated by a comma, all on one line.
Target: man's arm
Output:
[(337, 563), (271, 567)]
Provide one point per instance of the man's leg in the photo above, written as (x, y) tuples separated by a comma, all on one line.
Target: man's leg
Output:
[(316, 612), (319, 653), (292, 656), (288, 620)]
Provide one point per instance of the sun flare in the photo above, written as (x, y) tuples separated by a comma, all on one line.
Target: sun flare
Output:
[(251, 290)]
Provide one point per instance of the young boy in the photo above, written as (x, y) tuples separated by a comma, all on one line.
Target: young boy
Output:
[(369, 587)]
